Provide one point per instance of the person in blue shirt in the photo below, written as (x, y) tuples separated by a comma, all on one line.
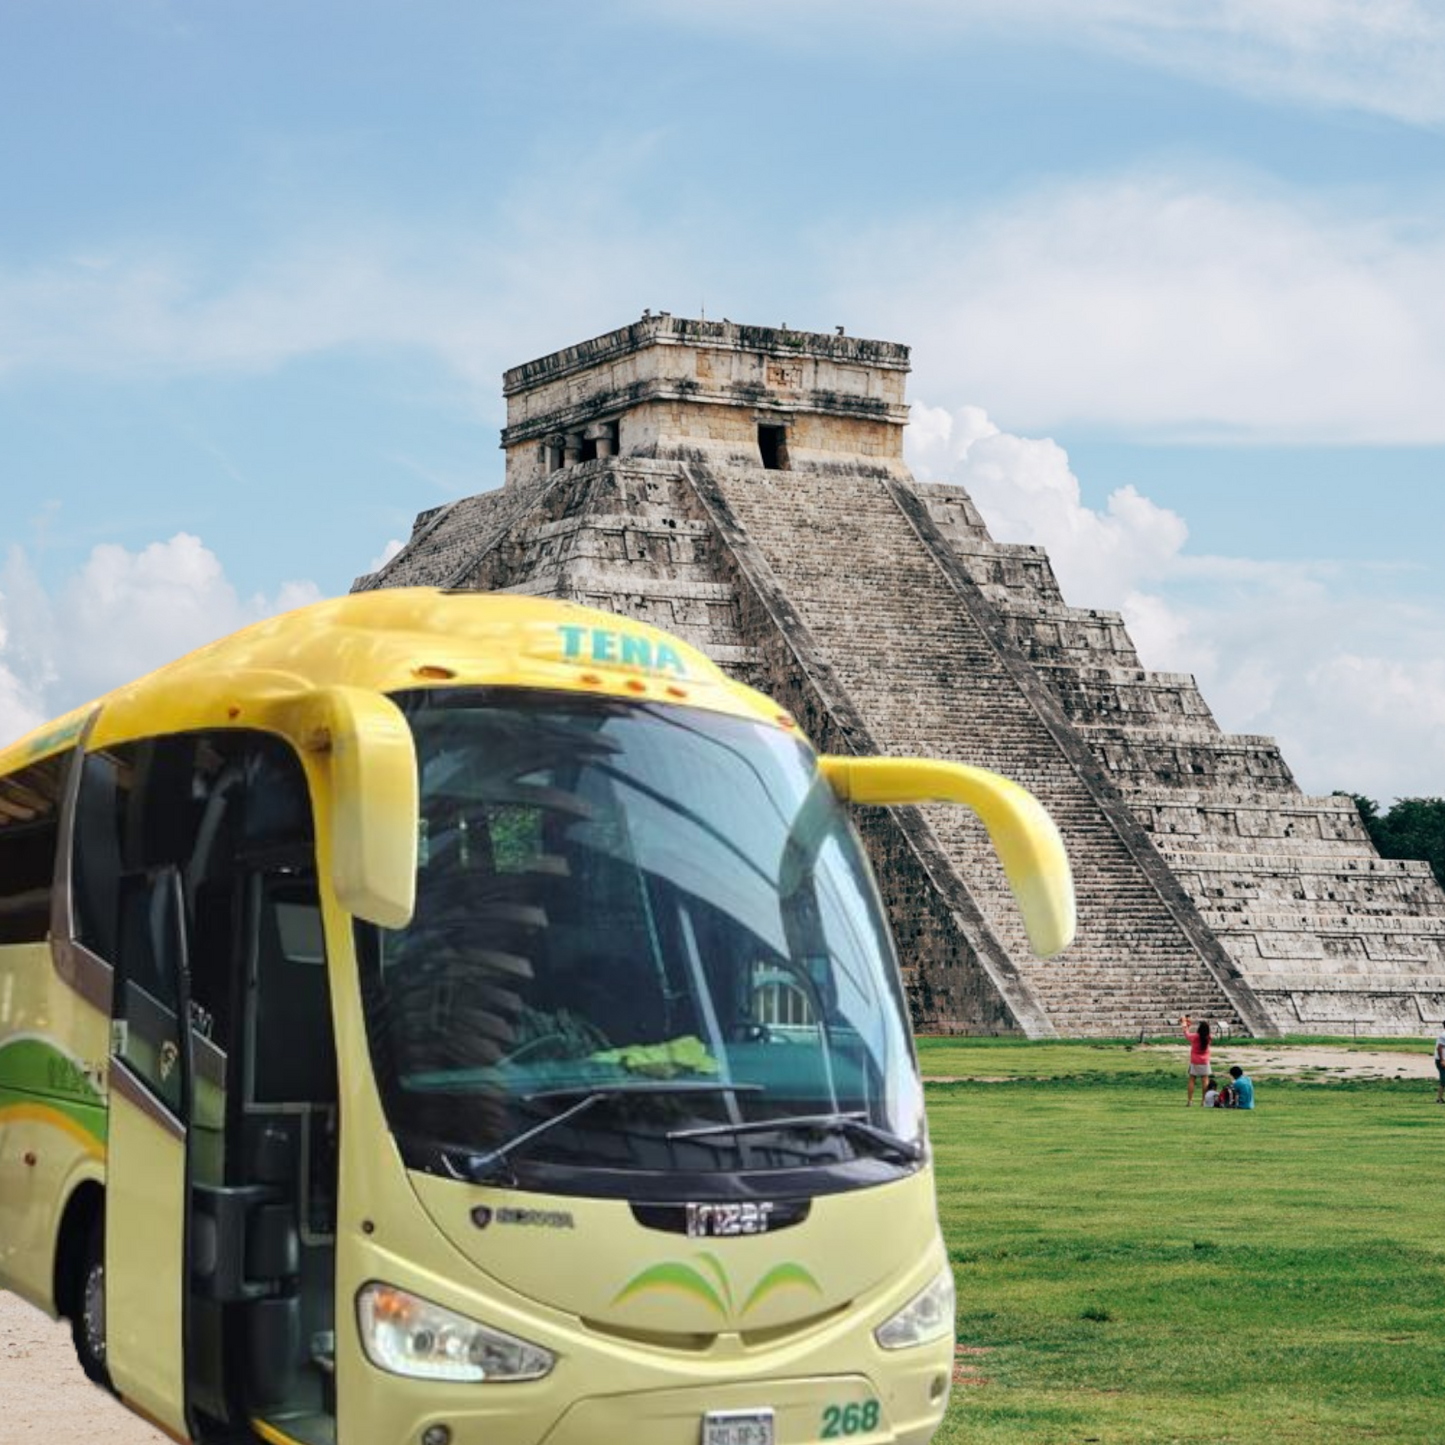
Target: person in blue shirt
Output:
[(1243, 1088)]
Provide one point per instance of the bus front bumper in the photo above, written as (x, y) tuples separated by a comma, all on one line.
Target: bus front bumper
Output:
[(803, 1411), (903, 1409)]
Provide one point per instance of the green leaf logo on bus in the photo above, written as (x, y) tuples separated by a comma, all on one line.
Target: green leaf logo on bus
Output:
[(707, 1282)]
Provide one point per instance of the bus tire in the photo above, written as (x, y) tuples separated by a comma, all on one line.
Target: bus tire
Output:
[(87, 1321)]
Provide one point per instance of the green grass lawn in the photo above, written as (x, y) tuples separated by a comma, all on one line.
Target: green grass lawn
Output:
[(1131, 1271)]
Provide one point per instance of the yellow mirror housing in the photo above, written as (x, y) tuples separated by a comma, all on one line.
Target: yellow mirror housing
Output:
[(1022, 833), (372, 813)]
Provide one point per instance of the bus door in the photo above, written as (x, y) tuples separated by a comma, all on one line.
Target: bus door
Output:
[(147, 1155), (287, 1155), (263, 1165), (195, 878)]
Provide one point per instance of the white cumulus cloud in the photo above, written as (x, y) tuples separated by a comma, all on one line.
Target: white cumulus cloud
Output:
[(1027, 492), (1153, 304), (1379, 56), (118, 616), (1166, 306), (475, 301), (21, 705), (385, 555)]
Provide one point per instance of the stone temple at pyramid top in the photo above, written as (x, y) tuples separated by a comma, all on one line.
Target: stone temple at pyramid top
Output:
[(670, 387)]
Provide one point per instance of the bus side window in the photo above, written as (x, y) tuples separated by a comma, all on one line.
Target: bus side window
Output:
[(29, 831), (105, 783), (218, 808), (292, 1049), (278, 806), (292, 1059), (138, 813), (147, 1010)]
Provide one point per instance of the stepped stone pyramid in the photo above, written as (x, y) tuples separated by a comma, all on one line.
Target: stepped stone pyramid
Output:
[(744, 487)]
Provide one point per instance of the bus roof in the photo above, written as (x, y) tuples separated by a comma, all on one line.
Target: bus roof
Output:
[(396, 638)]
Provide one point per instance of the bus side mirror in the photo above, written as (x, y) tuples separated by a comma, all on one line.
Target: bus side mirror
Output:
[(372, 814), (1022, 833)]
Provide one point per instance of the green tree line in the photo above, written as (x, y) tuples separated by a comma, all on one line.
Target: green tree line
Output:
[(1413, 828)]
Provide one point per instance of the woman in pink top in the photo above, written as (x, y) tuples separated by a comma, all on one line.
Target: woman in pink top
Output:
[(1198, 1054)]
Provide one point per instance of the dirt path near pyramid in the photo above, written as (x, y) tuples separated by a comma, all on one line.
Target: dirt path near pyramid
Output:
[(1307, 1061), (43, 1395)]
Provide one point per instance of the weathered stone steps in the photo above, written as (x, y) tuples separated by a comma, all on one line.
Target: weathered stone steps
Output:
[(1180, 850), (924, 678), (1261, 917), (1121, 698), (1052, 634), (1146, 757), (1009, 572), (1353, 885)]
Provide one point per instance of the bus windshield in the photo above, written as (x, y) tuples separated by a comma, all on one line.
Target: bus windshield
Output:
[(646, 941)]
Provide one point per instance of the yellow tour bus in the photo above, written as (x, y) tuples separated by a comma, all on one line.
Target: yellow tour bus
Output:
[(436, 1019)]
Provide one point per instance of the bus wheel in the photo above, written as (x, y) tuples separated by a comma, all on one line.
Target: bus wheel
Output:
[(87, 1324)]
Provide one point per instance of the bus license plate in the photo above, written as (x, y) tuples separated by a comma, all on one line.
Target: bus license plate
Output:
[(737, 1427)]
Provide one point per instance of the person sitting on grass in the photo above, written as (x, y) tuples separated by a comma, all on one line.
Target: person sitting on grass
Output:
[(1211, 1094), (1198, 1054), (1242, 1088)]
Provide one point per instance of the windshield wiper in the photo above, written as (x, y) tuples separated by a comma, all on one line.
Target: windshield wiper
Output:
[(649, 1086), (479, 1166), (854, 1126)]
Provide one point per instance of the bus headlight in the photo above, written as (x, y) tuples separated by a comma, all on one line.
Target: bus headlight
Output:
[(411, 1336), (927, 1316)]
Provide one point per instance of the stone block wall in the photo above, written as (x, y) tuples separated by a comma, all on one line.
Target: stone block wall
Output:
[(669, 386)]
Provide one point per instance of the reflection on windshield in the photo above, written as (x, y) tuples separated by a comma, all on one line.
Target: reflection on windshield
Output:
[(614, 894)]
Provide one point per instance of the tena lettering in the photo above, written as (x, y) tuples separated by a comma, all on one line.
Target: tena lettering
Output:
[(629, 649)]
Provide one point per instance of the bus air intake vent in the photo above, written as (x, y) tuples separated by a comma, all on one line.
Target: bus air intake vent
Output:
[(779, 1334), (684, 1342)]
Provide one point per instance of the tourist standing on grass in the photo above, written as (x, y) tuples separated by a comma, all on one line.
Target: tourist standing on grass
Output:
[(1198, 1054), (1242, 1088), (1440, 1066)]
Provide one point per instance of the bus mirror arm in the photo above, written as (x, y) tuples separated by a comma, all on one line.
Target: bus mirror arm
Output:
[(1023, 835), (371, 811)]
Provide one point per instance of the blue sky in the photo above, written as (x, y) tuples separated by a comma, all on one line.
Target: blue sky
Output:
[(1171, 272)]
